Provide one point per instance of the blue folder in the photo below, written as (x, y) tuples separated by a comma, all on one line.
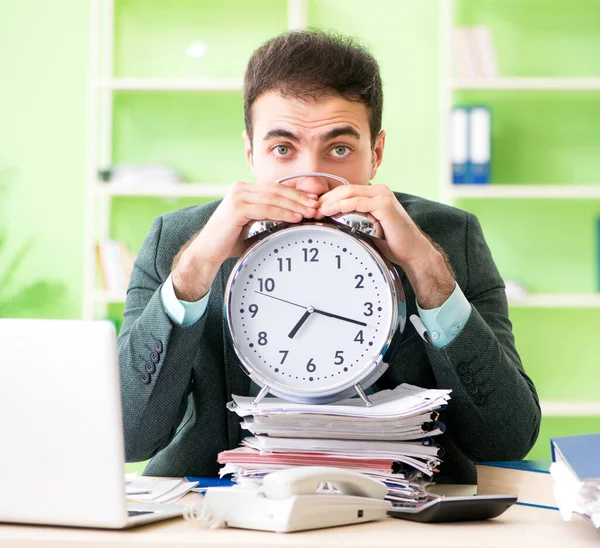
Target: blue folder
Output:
[(580, 453), (210, 482)]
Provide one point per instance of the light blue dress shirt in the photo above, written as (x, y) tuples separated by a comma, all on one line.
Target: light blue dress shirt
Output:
[(181, 312), (443, 324)]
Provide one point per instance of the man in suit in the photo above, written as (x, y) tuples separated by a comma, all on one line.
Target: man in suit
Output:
[(313, 103)]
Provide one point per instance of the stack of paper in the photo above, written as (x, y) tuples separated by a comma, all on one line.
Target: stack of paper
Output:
[(159, 491), (392, 440), (576, 473)]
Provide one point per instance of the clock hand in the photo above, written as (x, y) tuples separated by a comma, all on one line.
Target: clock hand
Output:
[(323, 313), (282, 300), (307, 314), (309, 311)]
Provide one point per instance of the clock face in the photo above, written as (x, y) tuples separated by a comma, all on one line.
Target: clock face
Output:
[(310, 309)]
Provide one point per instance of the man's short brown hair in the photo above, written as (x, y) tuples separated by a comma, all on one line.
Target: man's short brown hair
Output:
[(306, 64)]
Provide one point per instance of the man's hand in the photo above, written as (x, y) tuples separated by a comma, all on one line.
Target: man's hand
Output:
[(199, 260), (422, 261)]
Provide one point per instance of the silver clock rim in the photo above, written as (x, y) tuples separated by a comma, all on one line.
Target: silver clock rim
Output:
[(371, 372)]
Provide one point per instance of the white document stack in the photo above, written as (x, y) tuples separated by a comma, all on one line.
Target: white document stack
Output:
[(392, 440)]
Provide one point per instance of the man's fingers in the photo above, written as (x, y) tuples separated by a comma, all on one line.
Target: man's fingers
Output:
[(270, 191), (271, 212), (272, 195), (363, 198), (356, 203), (306, 207), (346, 191)]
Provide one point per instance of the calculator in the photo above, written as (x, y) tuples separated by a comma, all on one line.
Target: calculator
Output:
[(444, 509)]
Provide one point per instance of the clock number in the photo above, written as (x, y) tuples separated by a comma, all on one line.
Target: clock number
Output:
[(369, 311), (339, 261), (310, 366), (266, 285), (359, 337), (287, 261), (253, 308), (338, 356), (285, 353), (360, 279), (314, 252), (262, 338)]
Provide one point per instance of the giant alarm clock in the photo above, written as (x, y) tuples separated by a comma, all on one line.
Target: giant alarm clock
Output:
[(312, 307)]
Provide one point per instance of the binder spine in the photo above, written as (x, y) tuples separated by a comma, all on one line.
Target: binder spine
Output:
[(479, 157), (459, 126)]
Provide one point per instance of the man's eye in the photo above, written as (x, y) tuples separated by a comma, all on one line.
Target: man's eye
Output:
[(282, 150), (340, 150)]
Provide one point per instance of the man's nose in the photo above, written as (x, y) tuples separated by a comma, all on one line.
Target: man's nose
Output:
[(313, 184)]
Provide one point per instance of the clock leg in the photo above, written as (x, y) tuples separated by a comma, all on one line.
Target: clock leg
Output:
[(263, 392), (362, 394)]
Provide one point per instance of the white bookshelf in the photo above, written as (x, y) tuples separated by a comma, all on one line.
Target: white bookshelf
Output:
[(566, 300), (570, 408), (558, 300), (181, 190), (450, 193), (528, 84), (591, 191), (108, 297), (103, 86), (172, 84)]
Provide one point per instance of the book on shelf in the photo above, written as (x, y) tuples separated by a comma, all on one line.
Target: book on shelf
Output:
[(138, 175), (529, 480), (115, 264), (471, 147), (474, 54), (479, 145), (463, 55)]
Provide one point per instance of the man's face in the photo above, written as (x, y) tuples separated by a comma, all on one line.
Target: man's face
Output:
[(330, 134)]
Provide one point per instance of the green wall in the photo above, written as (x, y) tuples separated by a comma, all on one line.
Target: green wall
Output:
[(539, 138), (43, 97)]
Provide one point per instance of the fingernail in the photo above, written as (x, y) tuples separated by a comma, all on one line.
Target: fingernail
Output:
[(313, 196)]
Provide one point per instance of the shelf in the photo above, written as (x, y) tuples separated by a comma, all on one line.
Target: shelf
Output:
[(532, 84), (525, 191), (181, 190), (558, 300), (570, 409), (109, 297), (173, 84), (581, 300)]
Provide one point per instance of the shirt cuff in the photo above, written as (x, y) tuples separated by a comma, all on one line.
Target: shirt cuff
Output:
[(444, 323), (181, 312)]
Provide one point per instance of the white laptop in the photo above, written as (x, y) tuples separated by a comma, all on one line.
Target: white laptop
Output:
[(61, 436)]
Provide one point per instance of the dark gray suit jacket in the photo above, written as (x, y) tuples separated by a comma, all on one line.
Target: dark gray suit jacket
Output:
[(174, 400)]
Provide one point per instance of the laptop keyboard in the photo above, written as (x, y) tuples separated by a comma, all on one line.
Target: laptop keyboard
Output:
[(132, 513)]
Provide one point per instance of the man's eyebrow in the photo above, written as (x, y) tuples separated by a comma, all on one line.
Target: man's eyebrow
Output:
[(332, 134), (340, 132), (279, 132)]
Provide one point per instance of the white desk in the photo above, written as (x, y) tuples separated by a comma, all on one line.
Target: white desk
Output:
[(520, 526)]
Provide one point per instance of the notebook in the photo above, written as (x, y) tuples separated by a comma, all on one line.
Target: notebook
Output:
[(530, 480), (580, 453), (62, 458)]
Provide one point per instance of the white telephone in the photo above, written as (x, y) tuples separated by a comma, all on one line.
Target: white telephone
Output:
[(290, 500)]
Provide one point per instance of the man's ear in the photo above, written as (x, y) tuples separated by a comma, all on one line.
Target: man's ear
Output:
[(248, 147), (377, 156)]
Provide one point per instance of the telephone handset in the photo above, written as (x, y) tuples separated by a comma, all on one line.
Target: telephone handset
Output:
[(295, 500), (307, 480)]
